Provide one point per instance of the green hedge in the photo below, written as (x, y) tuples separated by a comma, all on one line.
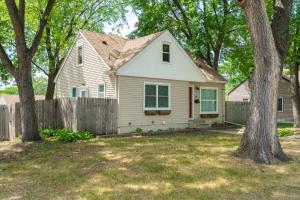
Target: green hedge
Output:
[(64, 135), (285, 132)]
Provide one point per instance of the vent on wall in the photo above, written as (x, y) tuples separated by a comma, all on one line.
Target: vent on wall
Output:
[(104, 42)]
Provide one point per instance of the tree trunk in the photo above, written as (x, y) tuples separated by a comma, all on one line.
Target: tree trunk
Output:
[(295, 94), (50, 86), (260, 141), (29, 126)]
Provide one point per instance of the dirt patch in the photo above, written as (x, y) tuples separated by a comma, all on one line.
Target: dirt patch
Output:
[(11, 147)]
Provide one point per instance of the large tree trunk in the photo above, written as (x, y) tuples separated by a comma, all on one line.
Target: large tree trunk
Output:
[(295, 94), (50, 86), (260, 141), (29, 121)]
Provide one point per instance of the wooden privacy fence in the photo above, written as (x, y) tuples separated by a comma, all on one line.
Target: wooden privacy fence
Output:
[(4, 122), (96, 115), (236, 112)]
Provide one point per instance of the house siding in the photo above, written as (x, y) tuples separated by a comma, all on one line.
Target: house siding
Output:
[(284, 91), (240, 93), (91, 73), (131, 105)]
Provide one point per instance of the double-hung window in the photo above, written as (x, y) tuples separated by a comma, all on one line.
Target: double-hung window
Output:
[(209, 100), (101, 90), (74, 92), (80, 55), (84, 91), (280, 104), (157, 96), (166, 53)]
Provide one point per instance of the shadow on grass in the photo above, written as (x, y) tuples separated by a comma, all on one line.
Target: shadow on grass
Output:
[(177, 166)]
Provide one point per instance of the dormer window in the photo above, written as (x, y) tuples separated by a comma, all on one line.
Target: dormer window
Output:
[(80, 55), (166, 53)]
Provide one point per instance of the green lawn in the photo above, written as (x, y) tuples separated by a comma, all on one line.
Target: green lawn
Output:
[(180, 166), (285, 125)]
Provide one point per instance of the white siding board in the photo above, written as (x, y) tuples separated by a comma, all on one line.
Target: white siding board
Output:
[(149, 64), (131, 100), (91, 73)]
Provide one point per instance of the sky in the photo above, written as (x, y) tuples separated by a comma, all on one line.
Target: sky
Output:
[(131, 19)]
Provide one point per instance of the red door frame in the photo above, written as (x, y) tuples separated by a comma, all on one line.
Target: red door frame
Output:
[(191, 103)]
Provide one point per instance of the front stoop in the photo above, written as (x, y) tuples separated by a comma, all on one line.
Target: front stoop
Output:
[(194, 124)]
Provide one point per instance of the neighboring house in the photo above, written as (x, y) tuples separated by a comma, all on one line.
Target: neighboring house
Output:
[(285, 109), (156, 83), (2, 100), (9, 99)]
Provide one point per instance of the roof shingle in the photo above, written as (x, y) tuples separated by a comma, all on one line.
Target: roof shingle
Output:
[(116, 51)]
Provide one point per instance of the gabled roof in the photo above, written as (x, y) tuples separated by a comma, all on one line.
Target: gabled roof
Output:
[(284, 77), (209, 72), (115, 50)]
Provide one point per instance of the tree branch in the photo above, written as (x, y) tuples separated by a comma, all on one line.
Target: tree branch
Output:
[(185, 17), (39, 33), (48, 43), (22, 13), (6, 61), (37, 66), (280, 26), (18, 28)]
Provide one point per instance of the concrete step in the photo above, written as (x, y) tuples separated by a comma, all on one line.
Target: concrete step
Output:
[(197, 124)]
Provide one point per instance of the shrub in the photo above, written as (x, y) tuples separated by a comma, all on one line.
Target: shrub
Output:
[(285, 132), (139, 130), (84, 135), (64, 135), (47, 133)]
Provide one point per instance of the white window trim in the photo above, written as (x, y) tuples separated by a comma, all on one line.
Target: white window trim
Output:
[(217, 100), (281, 111), (157, 84), (101, 83), (81, 45), (71, 93), (84, 88), (162, 52)]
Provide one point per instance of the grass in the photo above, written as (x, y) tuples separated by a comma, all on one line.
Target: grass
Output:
[(179, 166), (285, 125)]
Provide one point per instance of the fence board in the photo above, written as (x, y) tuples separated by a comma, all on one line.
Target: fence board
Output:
[(236, 112), (4, 122), (96, 115)]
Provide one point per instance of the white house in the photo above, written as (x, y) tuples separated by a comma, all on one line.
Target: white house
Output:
[(157, 84)]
